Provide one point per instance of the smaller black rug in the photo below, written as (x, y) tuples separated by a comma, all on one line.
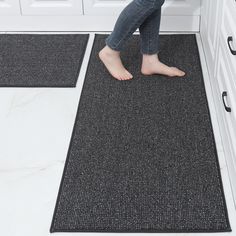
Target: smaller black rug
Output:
[(41, 60)]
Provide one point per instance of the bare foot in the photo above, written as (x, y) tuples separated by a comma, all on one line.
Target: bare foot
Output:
[(152, 65), (113, 63)]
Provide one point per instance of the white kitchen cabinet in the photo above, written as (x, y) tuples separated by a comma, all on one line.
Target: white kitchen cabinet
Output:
[(170, 7), (227, 85), (92, 15), (104, 7), (177, 15), (51, 7), (227, 113), (9, 7), (211, 14), (219, 42)]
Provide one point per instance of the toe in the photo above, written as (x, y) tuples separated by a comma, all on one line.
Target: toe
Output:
[(130, 76), (117, 77), (122, 77), (181, 73), (125, 76), (178, 72)]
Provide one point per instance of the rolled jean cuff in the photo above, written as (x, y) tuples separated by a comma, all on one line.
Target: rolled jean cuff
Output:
[(116, 48), (149, 52)]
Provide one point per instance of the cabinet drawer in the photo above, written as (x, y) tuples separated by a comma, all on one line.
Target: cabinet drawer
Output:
[(228, 29), (51, 7), (9, 7), (114, 7)]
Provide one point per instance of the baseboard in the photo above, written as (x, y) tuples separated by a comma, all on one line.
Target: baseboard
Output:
[(89, 23)]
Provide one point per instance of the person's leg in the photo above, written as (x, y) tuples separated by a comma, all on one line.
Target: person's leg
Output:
[(135, 14), (132, 16), (128, 21), (149, 47), (149, 33)]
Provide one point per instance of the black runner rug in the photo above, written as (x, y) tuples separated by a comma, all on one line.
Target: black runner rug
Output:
[(142, 155)]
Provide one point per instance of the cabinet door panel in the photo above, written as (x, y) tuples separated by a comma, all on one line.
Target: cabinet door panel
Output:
[(217, 24), (228, 30), (170, 7), (51, 7), (227, 119), (210, 20), (9, 7)]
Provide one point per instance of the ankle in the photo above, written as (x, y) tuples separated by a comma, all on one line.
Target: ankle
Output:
[(150, 62), (150, 57), (111, 51)]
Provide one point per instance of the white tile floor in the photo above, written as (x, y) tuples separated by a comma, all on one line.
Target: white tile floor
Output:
[(36, 126)]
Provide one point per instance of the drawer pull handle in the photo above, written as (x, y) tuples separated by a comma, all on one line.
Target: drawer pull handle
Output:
[(224, 94), (230, 39)]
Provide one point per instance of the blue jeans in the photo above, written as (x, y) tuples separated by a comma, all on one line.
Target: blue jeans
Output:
[(142, 14)]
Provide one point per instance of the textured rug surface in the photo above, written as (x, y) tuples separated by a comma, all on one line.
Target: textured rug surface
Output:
[(142, 155), (41, 60)]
